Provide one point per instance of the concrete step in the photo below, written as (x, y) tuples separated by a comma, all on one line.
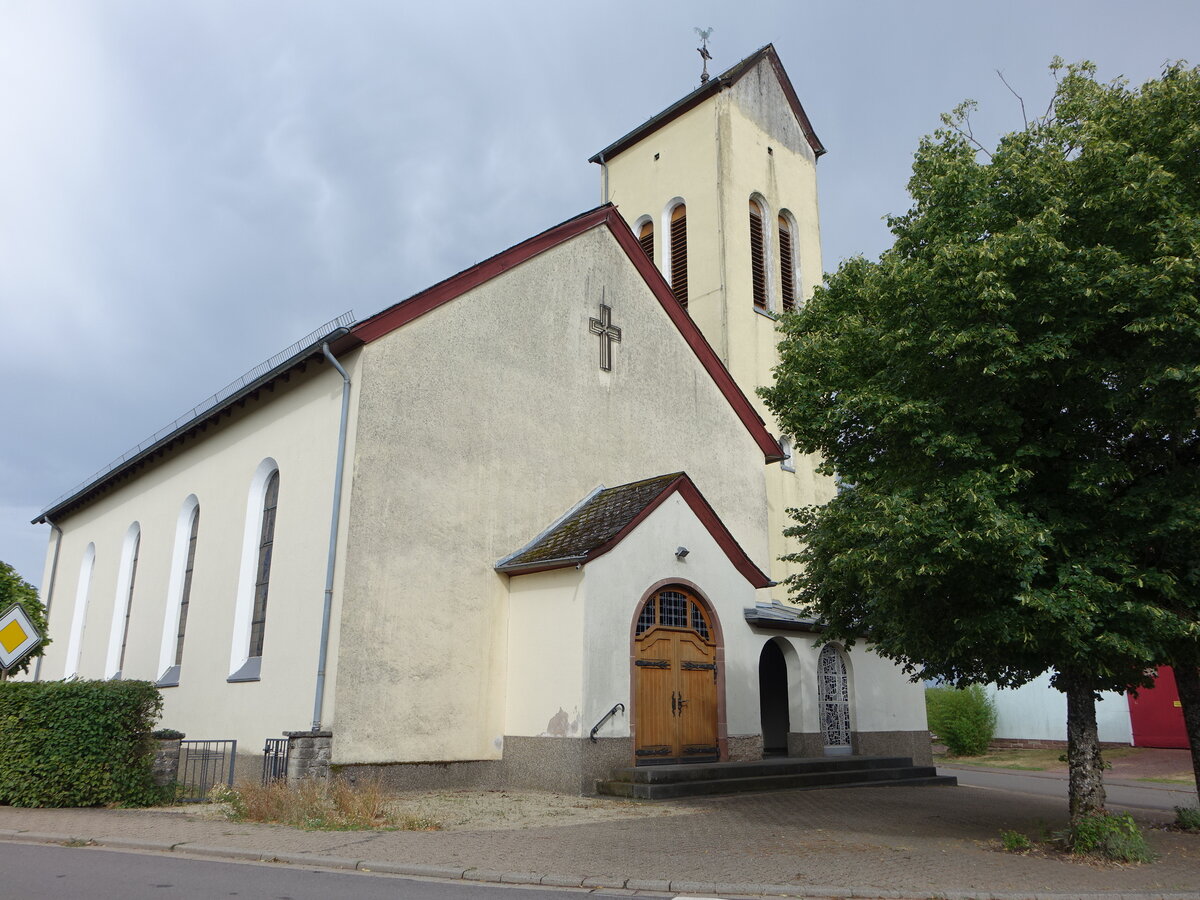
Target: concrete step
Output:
[(784, 765), (665, 782)]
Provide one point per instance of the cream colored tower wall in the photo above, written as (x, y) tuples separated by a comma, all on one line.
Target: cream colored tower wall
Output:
[(480, 423), (679, 162), (297, 427), (744, 142)]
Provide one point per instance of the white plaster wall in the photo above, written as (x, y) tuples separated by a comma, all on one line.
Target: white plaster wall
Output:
[(480, 423), (546, 651), (616, 584), (297, 424), (1036, 711)]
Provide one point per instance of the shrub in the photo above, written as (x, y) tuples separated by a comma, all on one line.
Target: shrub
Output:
[(1014, 841), (79, 743), (1187, 818), (1108, 836), (964, 719)]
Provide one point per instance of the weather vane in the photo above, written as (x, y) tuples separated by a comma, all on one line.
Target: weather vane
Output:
[(703, 51)]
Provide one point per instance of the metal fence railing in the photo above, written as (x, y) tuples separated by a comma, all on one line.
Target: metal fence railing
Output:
[(275, 760), (203, 765)]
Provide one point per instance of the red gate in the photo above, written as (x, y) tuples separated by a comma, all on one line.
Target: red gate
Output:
[(1155, 714)]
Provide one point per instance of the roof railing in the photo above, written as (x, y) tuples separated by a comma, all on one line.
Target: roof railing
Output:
[(207, 405)]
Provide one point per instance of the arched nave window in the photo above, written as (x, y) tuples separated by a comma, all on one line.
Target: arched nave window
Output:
[(75, 642), (123, 605), (179, 592), (258, 542)]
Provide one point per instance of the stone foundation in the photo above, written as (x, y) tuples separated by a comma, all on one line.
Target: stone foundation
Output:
[(914, 744), (805, 745), (566, 765), (309, 754), (745, 747)]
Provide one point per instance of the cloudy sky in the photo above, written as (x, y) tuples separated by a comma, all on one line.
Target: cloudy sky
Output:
[(188, 187)]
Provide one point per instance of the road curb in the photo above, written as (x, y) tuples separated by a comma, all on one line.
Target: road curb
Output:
[(455, 873)]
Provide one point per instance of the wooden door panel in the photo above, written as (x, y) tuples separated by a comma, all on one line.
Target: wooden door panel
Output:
[(655, 670), (676, 697), (698, 692)]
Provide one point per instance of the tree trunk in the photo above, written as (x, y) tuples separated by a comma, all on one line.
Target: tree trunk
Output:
[(1187, 679), (1083, 747)]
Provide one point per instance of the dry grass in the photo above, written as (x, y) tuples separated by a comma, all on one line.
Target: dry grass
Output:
[(333, 805)]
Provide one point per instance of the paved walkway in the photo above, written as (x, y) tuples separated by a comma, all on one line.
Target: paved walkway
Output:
[(895, 842)]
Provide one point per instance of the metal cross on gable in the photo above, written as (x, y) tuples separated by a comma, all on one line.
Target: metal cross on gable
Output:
[(608, 333)]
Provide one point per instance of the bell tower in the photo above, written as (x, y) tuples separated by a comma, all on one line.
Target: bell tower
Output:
[(721, 190)]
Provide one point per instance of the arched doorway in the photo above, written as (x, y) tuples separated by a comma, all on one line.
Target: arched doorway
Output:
[(833, 700), (675, 675), (773, 699)]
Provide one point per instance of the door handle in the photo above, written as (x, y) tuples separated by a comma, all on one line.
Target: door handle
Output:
[(681, 702), (673, 703)]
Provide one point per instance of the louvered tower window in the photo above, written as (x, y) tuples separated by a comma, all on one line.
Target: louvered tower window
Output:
[(646, 239), (787, 270), (758, 257), (679, 273)]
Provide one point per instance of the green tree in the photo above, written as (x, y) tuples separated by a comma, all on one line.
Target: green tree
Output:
[(1011, 393), (15, 589)]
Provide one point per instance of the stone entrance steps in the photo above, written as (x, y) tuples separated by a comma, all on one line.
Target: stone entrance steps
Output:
[(666, 782)]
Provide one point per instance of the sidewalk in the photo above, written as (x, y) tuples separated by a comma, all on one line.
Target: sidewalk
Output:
[(896, 842)]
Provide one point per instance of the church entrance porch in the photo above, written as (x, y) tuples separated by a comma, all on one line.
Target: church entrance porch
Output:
[(675, 680)]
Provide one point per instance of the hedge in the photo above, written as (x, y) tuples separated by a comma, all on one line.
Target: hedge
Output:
[(77, 743), (964, 719)]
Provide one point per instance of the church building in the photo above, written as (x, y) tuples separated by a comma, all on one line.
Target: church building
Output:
[(521, 528)]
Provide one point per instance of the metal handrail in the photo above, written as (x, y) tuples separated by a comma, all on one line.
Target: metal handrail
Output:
[(608, 715)]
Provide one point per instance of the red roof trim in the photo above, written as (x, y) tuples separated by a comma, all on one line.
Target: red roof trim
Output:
[(406, 311), (708, 518), (417, 305)]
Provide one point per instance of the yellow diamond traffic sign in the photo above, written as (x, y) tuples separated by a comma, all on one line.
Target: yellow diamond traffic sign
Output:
[(17, 636)]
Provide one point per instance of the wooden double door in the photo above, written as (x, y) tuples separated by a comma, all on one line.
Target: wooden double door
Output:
[(675, 666)]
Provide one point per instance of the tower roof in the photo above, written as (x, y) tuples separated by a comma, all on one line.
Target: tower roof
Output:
[(711, 88)]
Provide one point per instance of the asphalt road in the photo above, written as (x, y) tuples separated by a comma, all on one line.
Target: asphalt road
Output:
[(1124, 796), (51, 872)]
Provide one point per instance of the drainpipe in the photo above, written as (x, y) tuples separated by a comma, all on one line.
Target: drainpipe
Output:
[(37, 666), (319, 701), (603, 179)]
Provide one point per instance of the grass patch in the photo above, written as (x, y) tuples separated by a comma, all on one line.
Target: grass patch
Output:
[(1170, 779), (1107, 836), (320, 805), (1015, 842), (1020, 759), (1187, 818)]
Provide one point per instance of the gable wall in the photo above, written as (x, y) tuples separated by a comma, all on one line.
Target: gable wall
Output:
[(297, 425), (479, 424)]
